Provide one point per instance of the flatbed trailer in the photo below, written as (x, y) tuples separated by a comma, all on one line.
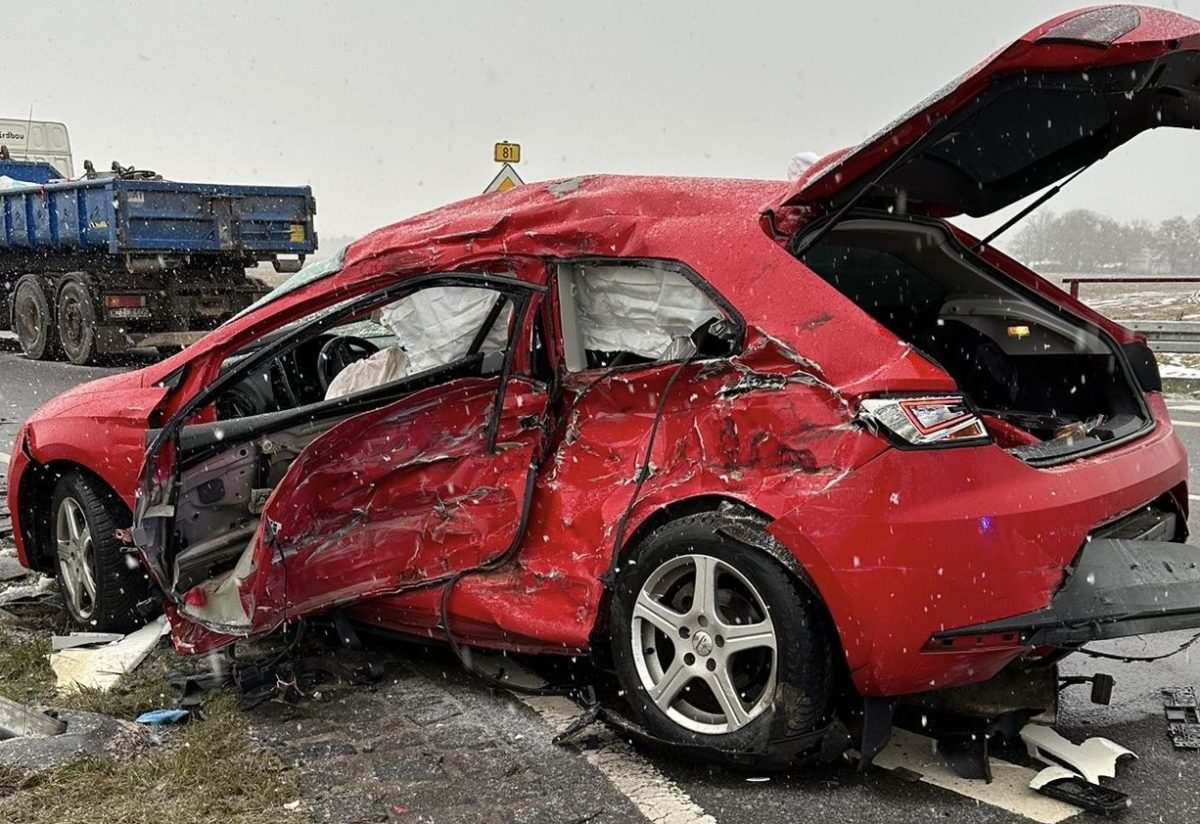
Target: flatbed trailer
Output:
[(98, 266)]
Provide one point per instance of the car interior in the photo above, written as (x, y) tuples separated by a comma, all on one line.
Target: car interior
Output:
[(614, 315), (1047, 383), (229, 466)]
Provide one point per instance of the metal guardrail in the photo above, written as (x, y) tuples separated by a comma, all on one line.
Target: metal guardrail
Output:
[(1073, 283), (1179, 336)]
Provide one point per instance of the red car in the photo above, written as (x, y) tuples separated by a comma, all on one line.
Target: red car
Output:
[(759, 441)]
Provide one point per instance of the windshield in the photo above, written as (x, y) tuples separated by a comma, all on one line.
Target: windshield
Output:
[(311, 273)]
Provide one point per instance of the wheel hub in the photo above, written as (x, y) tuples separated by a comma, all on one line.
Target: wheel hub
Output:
[(704, 645), (74, 540)]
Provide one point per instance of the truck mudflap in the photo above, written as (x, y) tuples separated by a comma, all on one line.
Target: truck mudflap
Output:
[(1115, 588)]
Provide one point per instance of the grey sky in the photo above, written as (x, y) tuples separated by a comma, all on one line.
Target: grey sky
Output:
[(388, 109)]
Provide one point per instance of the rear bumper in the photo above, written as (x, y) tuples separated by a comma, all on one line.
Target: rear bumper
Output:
[(1115, 588)]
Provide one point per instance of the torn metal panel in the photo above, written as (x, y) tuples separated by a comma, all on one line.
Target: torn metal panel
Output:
[(390, 499)]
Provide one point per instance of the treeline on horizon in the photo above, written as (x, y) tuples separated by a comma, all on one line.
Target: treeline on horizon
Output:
[(1085, 241)]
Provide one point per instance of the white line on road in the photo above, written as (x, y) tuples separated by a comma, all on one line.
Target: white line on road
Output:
[(1185, 407), (1009, 789), (1185, 423), (658, 798), (4, 458)]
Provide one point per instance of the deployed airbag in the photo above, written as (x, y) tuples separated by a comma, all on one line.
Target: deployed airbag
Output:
[(633, 309)]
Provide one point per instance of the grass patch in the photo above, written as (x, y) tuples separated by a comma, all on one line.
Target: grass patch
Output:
[(214, 772), (25, 673)]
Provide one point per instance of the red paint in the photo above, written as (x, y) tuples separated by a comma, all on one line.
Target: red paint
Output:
[(899, 544)]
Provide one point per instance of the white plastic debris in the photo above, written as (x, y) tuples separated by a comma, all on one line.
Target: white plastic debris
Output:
[(1094, 759), (83, 639), (1050, 775), (101, 667)]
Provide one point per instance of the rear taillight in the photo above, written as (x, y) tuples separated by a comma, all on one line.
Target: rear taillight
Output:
[(124, 301), (924, 420)]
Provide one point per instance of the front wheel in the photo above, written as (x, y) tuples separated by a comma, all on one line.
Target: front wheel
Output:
[(713, 641), (100, 582)]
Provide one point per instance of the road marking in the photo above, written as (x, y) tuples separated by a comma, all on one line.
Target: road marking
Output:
[(1009, 789), (1186, 423), (4, 458), (1194, 497), (1187, 407), (657, 797)]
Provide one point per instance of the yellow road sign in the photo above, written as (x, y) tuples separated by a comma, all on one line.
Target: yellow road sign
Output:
[(508, 153), (507, 179)]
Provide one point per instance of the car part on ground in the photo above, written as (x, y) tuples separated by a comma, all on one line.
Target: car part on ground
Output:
[(1063, 785), (1183, 717), (102, 583), (101, 667), (1094, 759)]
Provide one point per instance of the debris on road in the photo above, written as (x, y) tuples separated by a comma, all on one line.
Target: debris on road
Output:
[(1063, 785), (1094, 759), (158, 718), (83, 639), (18, 720), (1183, 717), (41, 590), (100, 668), (85, 734)]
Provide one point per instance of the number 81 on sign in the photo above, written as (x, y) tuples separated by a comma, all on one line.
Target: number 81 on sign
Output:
[(508, 153)]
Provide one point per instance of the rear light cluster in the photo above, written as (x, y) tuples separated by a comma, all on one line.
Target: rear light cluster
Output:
[(124, 301), (925, 420)]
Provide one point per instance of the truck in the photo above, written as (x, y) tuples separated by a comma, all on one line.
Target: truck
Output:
[(116, 260), (45, 140)]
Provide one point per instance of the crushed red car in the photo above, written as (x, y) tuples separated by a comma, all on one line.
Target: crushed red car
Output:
[(758, 441)]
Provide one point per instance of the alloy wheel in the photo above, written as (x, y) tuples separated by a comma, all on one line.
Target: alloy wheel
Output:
[(704, 645), (75, 557)]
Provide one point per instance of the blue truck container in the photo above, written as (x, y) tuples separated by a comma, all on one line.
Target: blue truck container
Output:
[(100, 265)]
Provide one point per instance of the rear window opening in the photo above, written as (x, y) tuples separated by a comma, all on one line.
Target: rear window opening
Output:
[(1049, 385)]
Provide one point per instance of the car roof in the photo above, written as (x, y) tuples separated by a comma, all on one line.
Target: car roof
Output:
[(596, 215), (590, 216)]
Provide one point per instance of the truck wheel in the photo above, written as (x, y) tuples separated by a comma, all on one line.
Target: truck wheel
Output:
[(710, 641), (77, 322), (101, 583), (33, 321)]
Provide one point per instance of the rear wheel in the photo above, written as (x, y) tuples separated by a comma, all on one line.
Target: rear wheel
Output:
[(33, 320), (77, 322), (101, 583), (712, 641)]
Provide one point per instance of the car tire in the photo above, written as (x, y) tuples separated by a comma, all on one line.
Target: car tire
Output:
[(101, 583), (77, 321), (33, 320), (787, 677)]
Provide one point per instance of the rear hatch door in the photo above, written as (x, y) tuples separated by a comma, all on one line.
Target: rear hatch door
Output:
[(1052, 102)]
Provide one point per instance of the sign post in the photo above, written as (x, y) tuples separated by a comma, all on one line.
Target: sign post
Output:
[(508, 154)]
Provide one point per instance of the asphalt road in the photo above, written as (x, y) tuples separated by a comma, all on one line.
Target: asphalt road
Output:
[(471, 753)]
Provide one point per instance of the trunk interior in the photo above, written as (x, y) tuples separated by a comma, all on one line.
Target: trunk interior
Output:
[(1049, 385)]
